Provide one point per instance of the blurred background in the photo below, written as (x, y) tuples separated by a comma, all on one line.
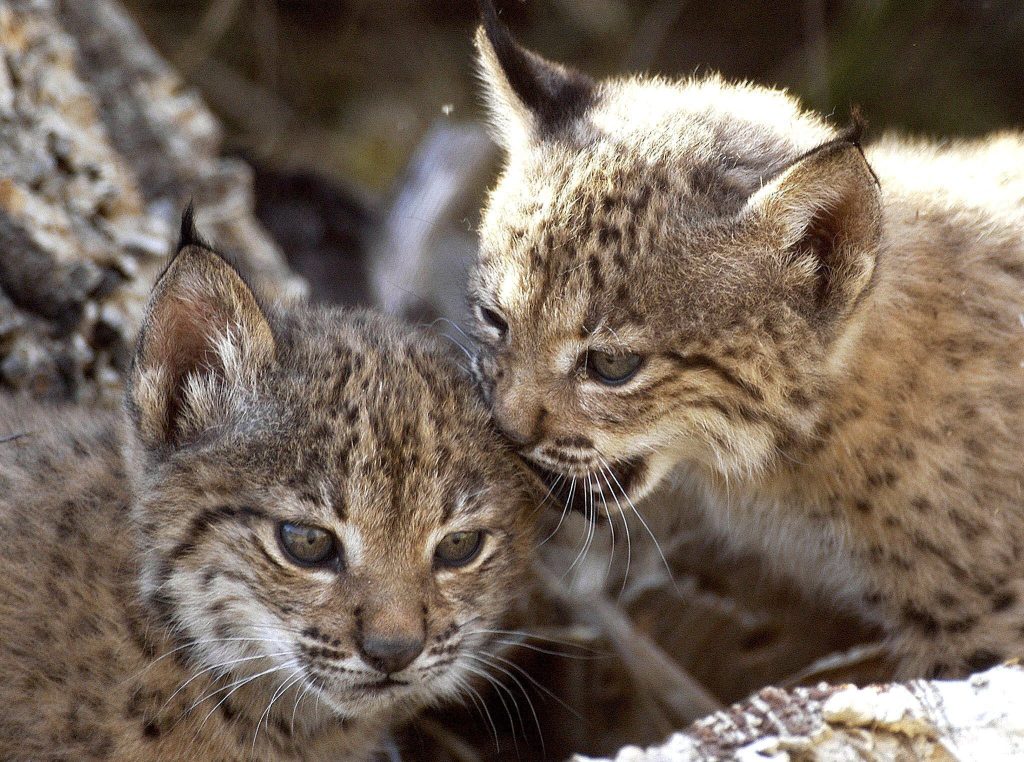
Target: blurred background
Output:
[(363, 126), (338, 103)]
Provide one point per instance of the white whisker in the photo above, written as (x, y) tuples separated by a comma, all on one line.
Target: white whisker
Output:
[(221, 665), (537, 685), (625, 527), (641, 518), (500, 689), (289, 681), (481, 707), (565, 511), (486, 659)]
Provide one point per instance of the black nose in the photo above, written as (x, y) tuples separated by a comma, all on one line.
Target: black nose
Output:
[(391, 654)]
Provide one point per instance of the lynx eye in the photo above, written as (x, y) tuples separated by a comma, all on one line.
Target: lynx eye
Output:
[(612, 369), (308, 545), (494, 320), (459, 548)]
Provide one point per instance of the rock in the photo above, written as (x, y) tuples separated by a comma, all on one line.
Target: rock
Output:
[(102, 146), (977, 718)]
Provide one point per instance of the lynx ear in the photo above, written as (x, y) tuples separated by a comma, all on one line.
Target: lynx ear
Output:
[(203, 335), (527, 95), (823, 215)]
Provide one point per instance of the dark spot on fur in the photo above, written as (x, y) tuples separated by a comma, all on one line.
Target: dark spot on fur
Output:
[(210, 518), (900, 562), (921, 619), (975, 447), (937, 670), (969, 528), (982, 659), (227, 709), (597, 279), (799, 398), (607, 235), (699, 361), (960, 626), (984, 587), (1004, 600), (921, 504), (906, 452)]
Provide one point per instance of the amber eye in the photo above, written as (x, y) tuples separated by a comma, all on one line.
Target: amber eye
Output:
[(612, 369), (459, 548), (494, 320), (307, 545)]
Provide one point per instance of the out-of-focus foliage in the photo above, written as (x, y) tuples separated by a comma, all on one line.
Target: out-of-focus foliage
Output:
[(350, 86)]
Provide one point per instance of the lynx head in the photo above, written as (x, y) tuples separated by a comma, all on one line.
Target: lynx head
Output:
[(669, 271), (320, 496)]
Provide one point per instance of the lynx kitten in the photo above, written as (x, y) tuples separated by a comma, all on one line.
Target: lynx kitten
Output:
[(303, 532), (823, 345)]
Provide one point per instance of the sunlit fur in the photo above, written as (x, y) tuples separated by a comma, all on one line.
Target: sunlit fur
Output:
[(834, 337), (149, 611)]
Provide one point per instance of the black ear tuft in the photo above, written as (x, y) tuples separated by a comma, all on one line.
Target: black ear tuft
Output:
[(554, 94), (854, 133), (203, 331), (189, 236)]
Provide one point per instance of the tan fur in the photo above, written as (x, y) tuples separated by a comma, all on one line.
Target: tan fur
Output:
[(149, 611), (834, 367)]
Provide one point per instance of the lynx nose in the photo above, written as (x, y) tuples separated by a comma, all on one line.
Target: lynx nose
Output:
[(391, 654), (518, 420), (513, 434)]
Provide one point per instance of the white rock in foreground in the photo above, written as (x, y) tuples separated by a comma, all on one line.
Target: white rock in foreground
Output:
[(981, 718)]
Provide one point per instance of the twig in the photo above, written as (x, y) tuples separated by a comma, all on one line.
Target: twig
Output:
[(838, 667), (676, 689)]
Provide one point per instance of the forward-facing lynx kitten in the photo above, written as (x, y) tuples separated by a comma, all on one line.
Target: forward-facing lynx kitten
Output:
[(823, 344), (305, 532)]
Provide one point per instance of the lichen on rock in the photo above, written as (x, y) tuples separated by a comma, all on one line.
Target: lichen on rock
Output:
[(101, 147), (980, 718)]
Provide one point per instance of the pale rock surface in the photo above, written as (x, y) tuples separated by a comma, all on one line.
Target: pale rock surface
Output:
[(980, 718), (101, 147)]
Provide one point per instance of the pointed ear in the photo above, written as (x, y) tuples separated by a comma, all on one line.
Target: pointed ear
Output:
[(823, 216), (527, 95), (204, 335)]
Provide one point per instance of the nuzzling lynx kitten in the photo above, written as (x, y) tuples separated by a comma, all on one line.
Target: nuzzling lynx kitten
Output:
[(304, 532), (823, 345)]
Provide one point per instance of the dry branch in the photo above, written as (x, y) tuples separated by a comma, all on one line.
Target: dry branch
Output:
[(679, 693)]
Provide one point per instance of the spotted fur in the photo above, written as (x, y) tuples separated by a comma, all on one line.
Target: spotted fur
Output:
[(833, 335), (149, 611)]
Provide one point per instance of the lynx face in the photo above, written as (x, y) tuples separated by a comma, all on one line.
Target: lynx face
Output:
[(321, 498), (667, 272)]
